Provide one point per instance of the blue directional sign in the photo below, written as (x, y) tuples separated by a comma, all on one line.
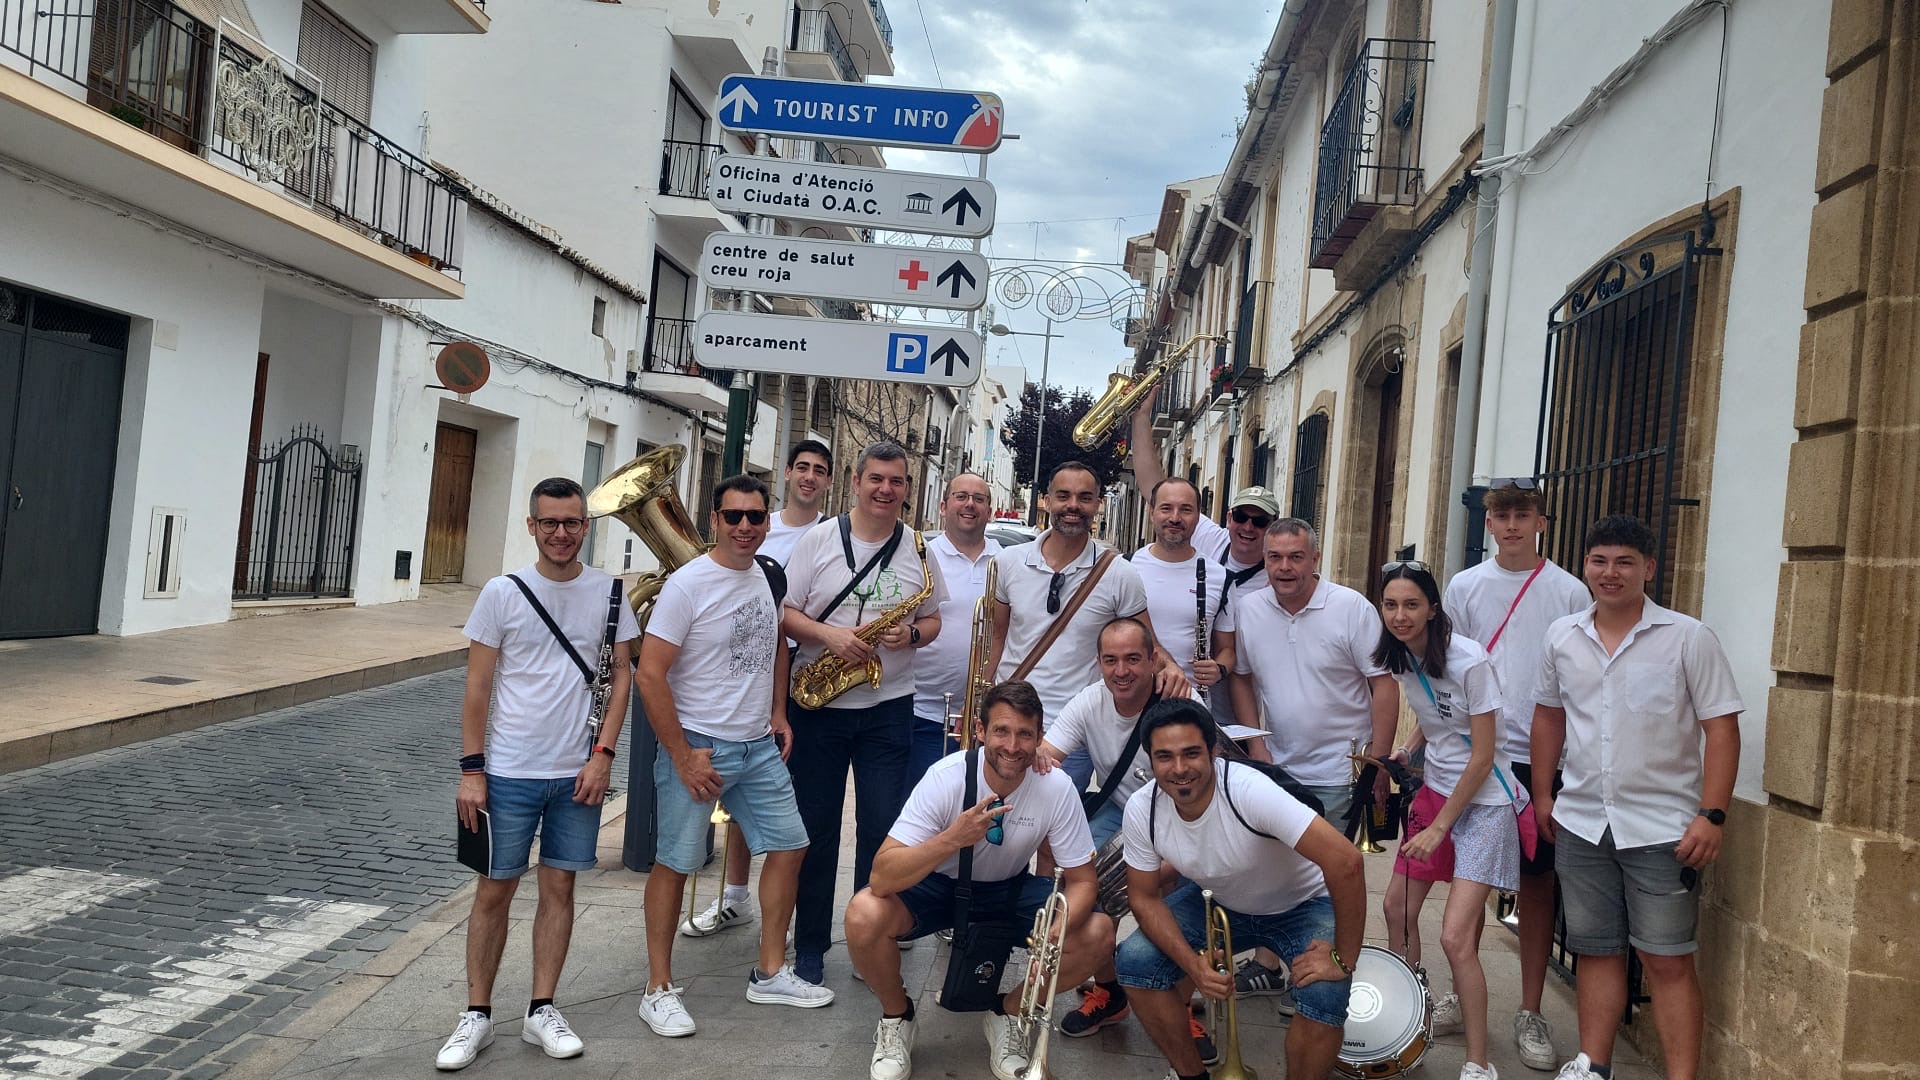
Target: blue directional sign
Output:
[(962, 120)]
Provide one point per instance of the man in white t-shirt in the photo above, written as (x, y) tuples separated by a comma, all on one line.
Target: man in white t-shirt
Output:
[(809, 472), (940, 674), (542, 768), (1506, 604), (713, 677), (1036, 583), (844, 574), (1186, 592), (1287, 881), (917, 870), (1631, 691)]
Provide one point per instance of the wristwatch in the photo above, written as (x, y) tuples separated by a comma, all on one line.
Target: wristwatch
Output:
[(913, 634), (1714, 817)]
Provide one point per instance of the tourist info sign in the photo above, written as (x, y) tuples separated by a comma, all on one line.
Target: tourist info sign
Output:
[(838, 348), (878, 273), (852, 195), (918, 116)]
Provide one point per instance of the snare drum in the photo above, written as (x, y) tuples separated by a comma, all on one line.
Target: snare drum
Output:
[(1389, 1017)]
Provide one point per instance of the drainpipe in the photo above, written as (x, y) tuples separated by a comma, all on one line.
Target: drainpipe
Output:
[(1479, 280)]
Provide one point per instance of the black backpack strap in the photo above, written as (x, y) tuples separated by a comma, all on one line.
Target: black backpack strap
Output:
[(963, 889), (1093, 802), (776, 578), (572, 653), (1235, 579), (1226, 786)]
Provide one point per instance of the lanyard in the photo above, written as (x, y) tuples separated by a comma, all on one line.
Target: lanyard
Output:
[(1431, 696)]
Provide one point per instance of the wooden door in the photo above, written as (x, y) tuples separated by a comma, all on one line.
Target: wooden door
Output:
[(1386, 461), (448, 503)]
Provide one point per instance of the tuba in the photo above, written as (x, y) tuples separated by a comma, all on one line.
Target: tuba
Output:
[(640, 495), (1125, 392)]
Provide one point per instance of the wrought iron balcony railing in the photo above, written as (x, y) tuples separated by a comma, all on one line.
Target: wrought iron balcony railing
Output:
[(815, 31), (684, 167), (886, 25), (670, 351), (156, 67), (1249, 339), (1370, 144)]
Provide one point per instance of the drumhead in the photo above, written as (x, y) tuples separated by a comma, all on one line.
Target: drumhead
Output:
[(1386, 1008)]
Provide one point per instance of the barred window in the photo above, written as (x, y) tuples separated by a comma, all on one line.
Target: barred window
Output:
[(1309, 454)]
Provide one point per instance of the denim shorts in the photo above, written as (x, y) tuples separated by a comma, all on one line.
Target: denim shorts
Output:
[(517, 808), (1614, 897), (1334, 803), (1106, 822), (756, 789), (930, 901), (1143, 966)]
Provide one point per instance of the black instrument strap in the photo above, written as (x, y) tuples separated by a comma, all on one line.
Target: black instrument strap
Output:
[(963, 889), (1093, 803), (1235, 579), (880, 558), (573, 654), (1226, 788)]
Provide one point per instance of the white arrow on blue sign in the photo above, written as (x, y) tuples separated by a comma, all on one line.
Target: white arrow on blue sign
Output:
[(963, 120), (879, 273), (838, 348)]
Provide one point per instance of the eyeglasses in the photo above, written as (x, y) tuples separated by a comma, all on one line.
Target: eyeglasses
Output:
[(1053, 592), (1241, 517), (996, 832), (1522, 483), (754, 517), (1406, 564), (573, 526)]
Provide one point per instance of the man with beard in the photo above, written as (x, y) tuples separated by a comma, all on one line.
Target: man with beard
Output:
[(843, 574), (1035, 586), (915, 874), (1180, 584), (809, 472), (1286, 880), (964, 552)]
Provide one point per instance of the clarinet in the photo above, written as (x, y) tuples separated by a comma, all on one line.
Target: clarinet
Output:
[(602, 693), (1201, 645)]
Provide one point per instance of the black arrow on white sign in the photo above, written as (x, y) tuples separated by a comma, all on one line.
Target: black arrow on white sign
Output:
[(950, 352), (956, 273), (961, 199)]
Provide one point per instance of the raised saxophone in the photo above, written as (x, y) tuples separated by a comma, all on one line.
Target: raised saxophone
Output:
[(828, 676)]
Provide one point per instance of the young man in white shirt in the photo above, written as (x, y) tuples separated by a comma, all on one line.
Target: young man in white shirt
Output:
[(940, 670), (809, 472), (1506, 604), (844, 574), (1035, 584), (542, 768), (1287, 880), (915, 874), (713, 677), (1628, 689), (1185, 591)]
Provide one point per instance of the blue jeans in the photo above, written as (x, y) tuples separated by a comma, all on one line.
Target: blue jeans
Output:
[(930, 744), (756, 789), (1143, 966), (873, 741), (517, 807)]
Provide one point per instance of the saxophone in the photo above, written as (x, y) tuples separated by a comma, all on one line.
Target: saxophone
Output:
[(828, 676)]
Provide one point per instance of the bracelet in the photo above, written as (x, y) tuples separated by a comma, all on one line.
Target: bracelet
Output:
[(473, 763), (607, 750), (1337, 962)]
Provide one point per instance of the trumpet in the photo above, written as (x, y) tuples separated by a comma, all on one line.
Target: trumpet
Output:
[(1124, 393), (979, 679), (1365, 808), (1045, 947), (1220, 943)]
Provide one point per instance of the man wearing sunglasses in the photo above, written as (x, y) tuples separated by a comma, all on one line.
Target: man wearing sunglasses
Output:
[(536, 766)]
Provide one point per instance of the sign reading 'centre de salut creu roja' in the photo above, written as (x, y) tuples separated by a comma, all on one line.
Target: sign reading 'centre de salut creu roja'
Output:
[(964, 120)]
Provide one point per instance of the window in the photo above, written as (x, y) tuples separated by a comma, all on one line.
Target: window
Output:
[(590, 479), (685, 121), (1309, 453), (341, 58), (1260, 464), (599, 317)]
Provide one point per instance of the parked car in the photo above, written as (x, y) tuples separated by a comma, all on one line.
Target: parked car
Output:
[(1010, 533)]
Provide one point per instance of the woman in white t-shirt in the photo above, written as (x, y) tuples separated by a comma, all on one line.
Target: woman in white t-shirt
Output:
[(1461, 825)]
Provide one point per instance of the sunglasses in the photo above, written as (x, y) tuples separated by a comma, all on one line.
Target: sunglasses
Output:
[(1521, 483), (1241, 517), (754, 517), (996, 833), (1406, 564), (1053, 594)]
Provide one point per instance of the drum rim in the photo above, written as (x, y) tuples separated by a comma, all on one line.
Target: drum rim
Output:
[(1406, 1036)]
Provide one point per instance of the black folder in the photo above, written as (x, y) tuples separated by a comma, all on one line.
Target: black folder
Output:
[(475, 847)]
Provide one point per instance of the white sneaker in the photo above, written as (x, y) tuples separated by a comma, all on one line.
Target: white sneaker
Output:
[(471, 1035), (662, 1011), (1006, 1045), (1535, 1039), (906, 944), (718, 916), (1580, 1068), (1446, 1015), (892, 1050), (783, 987), (1470, 1071), (548, 1030)]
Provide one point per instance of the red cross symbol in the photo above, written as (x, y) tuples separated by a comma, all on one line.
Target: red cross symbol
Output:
[(914, 276)]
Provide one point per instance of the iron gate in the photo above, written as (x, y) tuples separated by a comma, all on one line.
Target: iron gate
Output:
[(306, 517)]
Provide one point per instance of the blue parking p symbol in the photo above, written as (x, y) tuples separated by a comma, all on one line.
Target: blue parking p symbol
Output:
[(907, 353)]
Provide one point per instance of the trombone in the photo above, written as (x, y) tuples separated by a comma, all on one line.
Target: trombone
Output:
[(1220, 945), (718, 819), (1046, 945), (979, 679)]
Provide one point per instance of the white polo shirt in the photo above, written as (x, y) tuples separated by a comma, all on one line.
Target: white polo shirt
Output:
[(1311, 672), (1478, 599), (1248, 873), (941, 664), (1073, 663), (1633, 754), (1170, 601), (816, 573), (1041, 808)]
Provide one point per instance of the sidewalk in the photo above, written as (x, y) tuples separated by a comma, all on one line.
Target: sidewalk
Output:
[(61, 697), (388, 1020)]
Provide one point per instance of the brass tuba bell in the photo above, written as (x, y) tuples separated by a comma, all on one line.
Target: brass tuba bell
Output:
[(640, 494)]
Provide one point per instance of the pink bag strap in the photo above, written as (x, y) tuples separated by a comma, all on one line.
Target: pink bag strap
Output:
[(1524, 586)]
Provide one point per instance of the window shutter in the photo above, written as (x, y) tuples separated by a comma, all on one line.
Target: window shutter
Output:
[(340, 57)]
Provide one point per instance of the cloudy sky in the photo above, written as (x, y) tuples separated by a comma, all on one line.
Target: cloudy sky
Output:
[(1112, 101)]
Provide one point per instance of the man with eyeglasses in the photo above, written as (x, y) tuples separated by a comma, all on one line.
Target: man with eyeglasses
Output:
[(809, 474), (917, 870), (964, 552), (538, 766), (1036, 585), (845, 573)]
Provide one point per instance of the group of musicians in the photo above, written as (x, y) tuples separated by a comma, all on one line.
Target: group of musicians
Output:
[(1136, 706)]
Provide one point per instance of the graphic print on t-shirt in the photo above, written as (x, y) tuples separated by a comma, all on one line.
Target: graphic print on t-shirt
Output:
[(751, 647)]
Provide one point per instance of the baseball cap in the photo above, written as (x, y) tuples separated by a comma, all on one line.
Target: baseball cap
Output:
[(1257, 497)]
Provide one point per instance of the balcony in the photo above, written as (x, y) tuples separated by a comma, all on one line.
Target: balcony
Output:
[(685, 216), (1169, 407), (1247, 364), (669, 370), (820, 49), (436, 16), (684, 167), (141, 102), (1369, 176)]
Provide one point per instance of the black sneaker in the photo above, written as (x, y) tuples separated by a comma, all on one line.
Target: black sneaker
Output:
[(1203, 1042), (1097, 1009)]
